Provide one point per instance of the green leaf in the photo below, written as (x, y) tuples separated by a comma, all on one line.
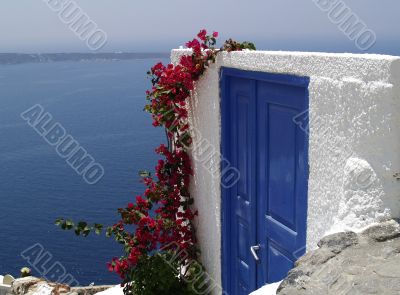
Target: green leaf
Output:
[(82, 224), (144, 173), (109, 232), (86, 231), (98, 228), (69, 223), (248, 45)]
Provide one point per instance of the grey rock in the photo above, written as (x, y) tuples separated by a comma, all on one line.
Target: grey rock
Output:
[(338, 242), (350, 264), (296, 277), (390, 269), (21, 286), (316, 257), (90, 290), (383, 232), (32, 286), (39, 286)]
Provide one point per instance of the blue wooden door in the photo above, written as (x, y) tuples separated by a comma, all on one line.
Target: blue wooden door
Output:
[(265, 211)]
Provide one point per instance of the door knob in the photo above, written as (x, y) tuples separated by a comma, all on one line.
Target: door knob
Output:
[(253, 250)]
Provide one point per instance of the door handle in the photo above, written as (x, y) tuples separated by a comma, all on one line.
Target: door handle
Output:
[(253, 250)]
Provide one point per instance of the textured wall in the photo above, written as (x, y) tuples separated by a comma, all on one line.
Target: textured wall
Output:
[(354, 141)]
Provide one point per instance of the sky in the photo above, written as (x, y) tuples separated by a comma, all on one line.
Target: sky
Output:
[(159, 25)]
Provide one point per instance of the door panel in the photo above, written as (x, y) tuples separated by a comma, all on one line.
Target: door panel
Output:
[(281, 179), (268, 205), (281, 153), (280, 262), (243, 194)]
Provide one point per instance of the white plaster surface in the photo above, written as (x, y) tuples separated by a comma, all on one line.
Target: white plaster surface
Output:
[(269, 289), (354, 147), (4, 289), (116, 290)]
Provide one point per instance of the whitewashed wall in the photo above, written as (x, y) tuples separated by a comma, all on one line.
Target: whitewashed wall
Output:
[(354, 148)]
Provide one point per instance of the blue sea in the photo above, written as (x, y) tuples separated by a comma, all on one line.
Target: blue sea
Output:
[(99, 103)]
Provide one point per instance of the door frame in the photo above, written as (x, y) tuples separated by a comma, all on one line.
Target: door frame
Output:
[(225, 73)]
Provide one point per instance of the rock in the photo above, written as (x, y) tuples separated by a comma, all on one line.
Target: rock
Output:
[(35, 286), (296, 277), (39, 287), (383, 232), (338, 242), (350, 263), (22, 286), (316, 257), (90, 290)]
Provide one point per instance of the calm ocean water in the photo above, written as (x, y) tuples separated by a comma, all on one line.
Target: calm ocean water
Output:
[(101, 105)]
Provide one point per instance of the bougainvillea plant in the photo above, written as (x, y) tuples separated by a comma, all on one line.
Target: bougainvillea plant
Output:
[(162, 217)]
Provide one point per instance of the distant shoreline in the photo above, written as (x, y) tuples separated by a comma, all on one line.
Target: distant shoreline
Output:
[(19, 58)]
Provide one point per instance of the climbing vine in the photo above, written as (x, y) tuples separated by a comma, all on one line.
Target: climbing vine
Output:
[(162, 217)]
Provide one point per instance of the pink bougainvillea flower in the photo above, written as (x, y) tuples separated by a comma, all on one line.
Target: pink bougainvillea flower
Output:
[(202, 35)]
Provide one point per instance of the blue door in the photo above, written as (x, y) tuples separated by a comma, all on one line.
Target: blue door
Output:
[(264, 213)]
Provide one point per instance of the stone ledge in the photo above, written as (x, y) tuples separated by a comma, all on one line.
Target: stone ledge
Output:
[(350, 263), (32, 286)]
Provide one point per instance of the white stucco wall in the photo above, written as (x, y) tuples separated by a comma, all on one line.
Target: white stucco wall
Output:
[(354, 147)]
